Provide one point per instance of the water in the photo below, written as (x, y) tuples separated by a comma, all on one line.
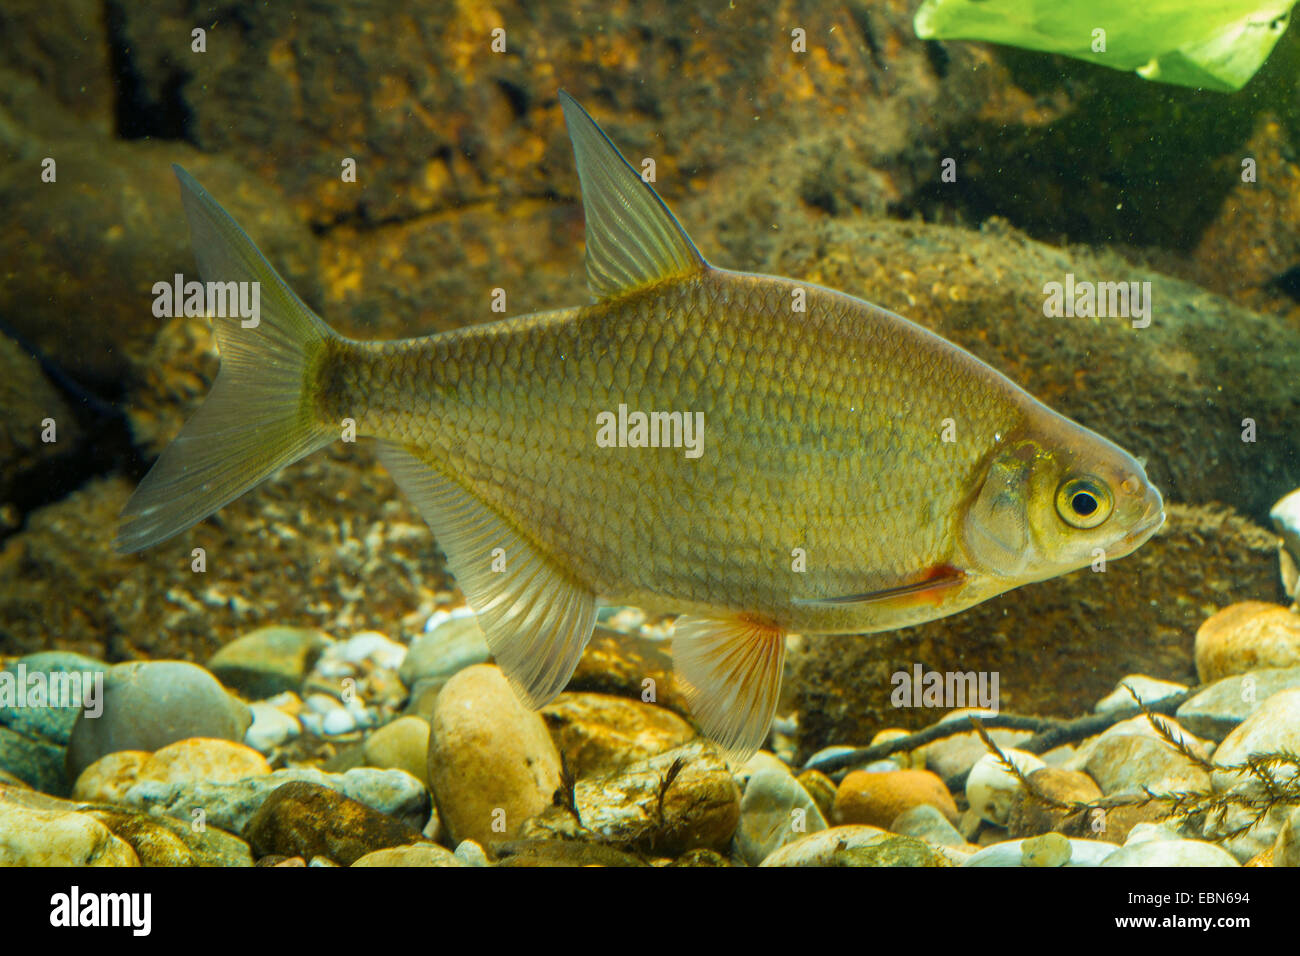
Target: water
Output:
[(1123, 249)]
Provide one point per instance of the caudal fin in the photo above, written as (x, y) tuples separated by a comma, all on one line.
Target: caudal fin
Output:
[(258, 416)]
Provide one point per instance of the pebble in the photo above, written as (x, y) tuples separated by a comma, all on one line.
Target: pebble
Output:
[(990, 789), (1149, 690), (271, 728), (205, 760), (471, 854), (270, 660), (1220, 708), (1083, 853), (640, 809), (401, 745), (1030, 817), (927, 823), (953, 757), (1286, 851), (1145, 832), (535, 853), (1245, 637), (231, 805), (828, 847), (34, 837), (52, 724), (418, 854), (1274, 727), (906, 759), (1049, 850), (598, 733), (775, 810), (447, 649), (369, 647), (338, 722), (163, 841), (1129, 762), (109, 778), (492, 762), (1134, 726), (821, 788), (305, 819), (1170, 853), (876, 799), (150, 704)]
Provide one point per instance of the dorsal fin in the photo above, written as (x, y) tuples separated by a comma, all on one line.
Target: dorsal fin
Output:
[(632, 238)]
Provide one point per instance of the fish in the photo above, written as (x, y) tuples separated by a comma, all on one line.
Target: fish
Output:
[(856, 472), (1207, 44)]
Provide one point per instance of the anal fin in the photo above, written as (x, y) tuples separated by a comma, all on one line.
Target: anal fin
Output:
[(536, 619), (731, 669)]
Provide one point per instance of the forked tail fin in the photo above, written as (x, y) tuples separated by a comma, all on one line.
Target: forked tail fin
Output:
[(258, 416)]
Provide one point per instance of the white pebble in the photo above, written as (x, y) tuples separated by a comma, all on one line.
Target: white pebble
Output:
[(270, 728), (338, 722), (989, 788)]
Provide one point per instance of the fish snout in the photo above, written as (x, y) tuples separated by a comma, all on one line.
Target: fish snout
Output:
[(1151, 519)]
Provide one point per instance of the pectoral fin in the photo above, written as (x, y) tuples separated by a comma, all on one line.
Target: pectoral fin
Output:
[(731, 672), (535, 618), (934, 586)]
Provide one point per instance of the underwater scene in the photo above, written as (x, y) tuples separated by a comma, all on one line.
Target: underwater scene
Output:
[(542, 434)]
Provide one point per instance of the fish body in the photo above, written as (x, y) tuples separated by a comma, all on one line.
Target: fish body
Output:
[(804, 461), (822, 432)]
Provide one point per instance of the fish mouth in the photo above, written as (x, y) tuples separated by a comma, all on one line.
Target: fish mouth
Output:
[(1152, 519)]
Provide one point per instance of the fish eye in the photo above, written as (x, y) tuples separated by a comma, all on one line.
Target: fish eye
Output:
[(1083, 501)]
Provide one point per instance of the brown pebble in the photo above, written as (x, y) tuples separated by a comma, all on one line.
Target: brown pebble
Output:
[(876, 799), (1246, 636)]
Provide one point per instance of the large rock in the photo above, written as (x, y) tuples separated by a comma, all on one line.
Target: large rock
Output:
[(150, 704), (491, 760)]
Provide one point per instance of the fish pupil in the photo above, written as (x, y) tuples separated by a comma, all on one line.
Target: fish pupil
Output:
[(1083, 503)]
